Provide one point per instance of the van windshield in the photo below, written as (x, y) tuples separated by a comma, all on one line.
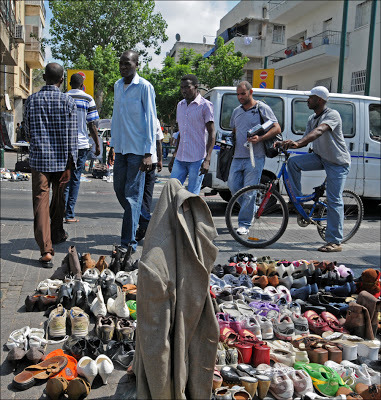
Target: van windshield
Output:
[(375, 122), (230, 102)]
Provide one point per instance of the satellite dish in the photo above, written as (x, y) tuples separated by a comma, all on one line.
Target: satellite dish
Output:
[(177, 37)]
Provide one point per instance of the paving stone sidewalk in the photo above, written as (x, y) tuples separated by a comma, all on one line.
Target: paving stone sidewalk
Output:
[(99, 228)]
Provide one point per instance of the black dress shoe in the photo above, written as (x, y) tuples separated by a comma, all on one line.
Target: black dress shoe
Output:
[(230, 376), (121, 352), (94, 346), (116, 259), (61, 239), (140, 234), (76, 347), (79, 296), (230, 269), (128, 261), (65, 296), (246, 369)]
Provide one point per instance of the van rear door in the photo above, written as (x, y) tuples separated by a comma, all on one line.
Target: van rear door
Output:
[(372, 149)]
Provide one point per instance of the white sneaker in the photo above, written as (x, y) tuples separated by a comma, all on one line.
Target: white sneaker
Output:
[(124, 278), (252, 325), (361, 371), (266, 327), (242, 230)]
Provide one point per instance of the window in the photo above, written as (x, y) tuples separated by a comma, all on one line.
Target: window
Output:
[(230, 102), (301, 112), (278, 34), (249, 76), (363, 14), (358, 81), (375, 122), (327, 82)]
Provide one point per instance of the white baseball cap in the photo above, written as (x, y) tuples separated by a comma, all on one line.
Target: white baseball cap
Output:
[(319, 91)]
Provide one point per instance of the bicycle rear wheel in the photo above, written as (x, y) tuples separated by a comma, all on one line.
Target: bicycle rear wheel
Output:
[(353, 216), (266, 229)]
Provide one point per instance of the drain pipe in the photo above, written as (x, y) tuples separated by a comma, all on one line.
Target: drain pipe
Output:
[(370, 47), (342, 47)]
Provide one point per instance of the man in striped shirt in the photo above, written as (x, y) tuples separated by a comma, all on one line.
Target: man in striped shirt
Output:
[(196, 139), (87, 114)]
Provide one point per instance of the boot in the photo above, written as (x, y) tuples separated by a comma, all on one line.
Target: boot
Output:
[(74, 264), (373, 306), (101, 264), (63, 271), (87, 262), (128, 262), (115, 264)]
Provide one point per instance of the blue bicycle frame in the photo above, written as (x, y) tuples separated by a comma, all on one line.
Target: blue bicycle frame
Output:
[(297, 201)]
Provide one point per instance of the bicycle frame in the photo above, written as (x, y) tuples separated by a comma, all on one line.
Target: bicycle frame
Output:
[(297, 201)]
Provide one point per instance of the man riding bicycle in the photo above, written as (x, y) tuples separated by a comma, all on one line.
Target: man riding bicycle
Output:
[(324, 129)]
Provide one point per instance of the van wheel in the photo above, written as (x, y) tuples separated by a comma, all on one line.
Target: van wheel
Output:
[(225, 194)]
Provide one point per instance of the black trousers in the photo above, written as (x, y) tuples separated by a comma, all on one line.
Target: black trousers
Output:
[(145, 213)]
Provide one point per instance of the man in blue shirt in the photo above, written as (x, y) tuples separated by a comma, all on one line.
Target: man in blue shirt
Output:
[(133, 135), (51, 128)]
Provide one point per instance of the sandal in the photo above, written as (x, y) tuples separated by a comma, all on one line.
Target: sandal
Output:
[(330, 248), (71, 221), (43, 370), (46, 262)]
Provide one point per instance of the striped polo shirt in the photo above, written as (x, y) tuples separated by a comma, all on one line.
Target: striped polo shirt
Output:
[(192, 120), (86, 112)]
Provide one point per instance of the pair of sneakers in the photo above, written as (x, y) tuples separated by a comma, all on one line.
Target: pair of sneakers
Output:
[(226, 356), (79, 321)]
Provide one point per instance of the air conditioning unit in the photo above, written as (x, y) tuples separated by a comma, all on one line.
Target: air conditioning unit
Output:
[(19, 34)]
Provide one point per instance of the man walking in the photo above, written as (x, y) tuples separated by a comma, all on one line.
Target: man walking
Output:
[(133, 135), (242, 173), (87, 114), (149, 183), (51, 128), (324, 129), (197, 136)]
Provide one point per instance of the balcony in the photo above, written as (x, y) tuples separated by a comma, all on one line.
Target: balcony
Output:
[(319, 50), (253, 49), (35, 7), (34, 54), (284, 12), (24, 80)]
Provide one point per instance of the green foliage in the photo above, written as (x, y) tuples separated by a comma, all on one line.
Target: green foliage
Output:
[(79, 26), (221, 69)]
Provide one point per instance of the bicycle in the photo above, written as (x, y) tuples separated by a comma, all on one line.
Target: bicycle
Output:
[(270, 211)]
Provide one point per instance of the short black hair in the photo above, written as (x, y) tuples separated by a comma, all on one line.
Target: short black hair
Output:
[(134, 53), (54, 72), (76, 81), (246, 84), (192, 78)]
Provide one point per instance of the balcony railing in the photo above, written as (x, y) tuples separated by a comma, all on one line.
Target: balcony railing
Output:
[(324, 38), (24, 79), (8, 15), (35, 46), (37, 3)]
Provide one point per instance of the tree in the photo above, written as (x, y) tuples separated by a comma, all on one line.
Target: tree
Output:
[(221, 69), (105, 64), (79, 26)]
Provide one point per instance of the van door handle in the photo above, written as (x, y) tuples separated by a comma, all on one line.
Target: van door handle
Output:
[(351, 146), (366, 146)]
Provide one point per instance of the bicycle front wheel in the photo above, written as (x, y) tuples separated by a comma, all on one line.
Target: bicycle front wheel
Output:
[(264, 230), (353, 216)]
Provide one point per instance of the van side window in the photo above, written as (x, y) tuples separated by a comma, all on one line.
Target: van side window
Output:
[(301, 112), (230, 102), (375, 122)]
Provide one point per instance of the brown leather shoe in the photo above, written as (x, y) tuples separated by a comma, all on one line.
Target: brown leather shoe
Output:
[(87, 262), (74, 264), (101, 264), (44, 302), (56, 386), (371, 392), (261, 281), (78, 388)]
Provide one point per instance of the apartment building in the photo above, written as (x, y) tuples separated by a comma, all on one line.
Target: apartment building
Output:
[(21, 27), (300, 39), (199, 48)]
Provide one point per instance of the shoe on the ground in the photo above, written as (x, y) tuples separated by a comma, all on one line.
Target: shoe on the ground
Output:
[(79, 322), (104, 328), (242, 230), (281, 387), (369, 392), (266, 327), (125, 329), (57, 321), (300, 324), (330, 248), (283, 327), (98, 306)]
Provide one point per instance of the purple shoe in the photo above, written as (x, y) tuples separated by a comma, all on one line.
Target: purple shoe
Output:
[(223, 320)]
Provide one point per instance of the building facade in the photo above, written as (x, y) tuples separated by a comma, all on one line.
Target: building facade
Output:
[(199, 48), (21, 51), (300, 40)]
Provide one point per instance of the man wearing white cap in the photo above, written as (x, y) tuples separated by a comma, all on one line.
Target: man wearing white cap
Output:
[(324, 129)]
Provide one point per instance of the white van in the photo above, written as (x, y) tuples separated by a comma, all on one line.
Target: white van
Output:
[(361, 116)]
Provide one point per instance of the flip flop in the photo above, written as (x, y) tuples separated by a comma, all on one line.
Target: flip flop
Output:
[(71, 221), (46, 263)]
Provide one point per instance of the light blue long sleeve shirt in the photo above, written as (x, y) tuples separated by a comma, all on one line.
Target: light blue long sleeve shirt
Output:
[(133, 126)]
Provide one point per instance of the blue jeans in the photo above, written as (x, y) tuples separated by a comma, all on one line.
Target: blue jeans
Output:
[(182, 169), (72, 188), (243, 174), (336, 176), (129, 187)]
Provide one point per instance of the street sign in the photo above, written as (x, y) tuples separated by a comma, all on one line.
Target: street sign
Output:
[(263, 78), (263, 75), (88, 79)]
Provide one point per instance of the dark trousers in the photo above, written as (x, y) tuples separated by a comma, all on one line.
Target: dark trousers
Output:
[(149, 183), (48, 219)]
